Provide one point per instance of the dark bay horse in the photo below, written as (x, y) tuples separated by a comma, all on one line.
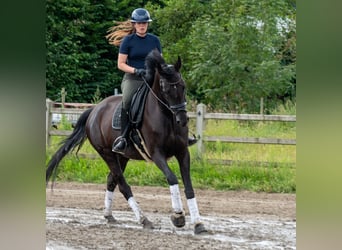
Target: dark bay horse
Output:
[(164, 131)]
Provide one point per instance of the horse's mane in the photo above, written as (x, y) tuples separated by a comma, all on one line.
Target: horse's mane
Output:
[(152, 62)]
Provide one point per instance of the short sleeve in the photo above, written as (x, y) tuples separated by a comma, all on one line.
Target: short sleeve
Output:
[(124, 46)]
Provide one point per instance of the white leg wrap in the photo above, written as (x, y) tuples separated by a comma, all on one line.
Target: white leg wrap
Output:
[(108, 203), (176, 199), (193, 209), (136, 209)]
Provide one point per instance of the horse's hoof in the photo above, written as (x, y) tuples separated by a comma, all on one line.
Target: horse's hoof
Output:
[(110, 219), (199, 228), (178, 220), (147, 224)]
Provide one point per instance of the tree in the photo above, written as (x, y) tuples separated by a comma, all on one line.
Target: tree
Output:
[(78, 56), (173, 24), (233, 50)]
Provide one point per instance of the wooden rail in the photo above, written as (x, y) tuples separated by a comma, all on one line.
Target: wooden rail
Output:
[(72, 109), (200, 115)]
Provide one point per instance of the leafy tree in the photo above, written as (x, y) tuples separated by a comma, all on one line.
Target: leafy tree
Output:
[(234, 50), (63, 53), (78, 56), (173, 24)]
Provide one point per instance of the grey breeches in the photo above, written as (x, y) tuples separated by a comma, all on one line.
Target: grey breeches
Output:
[(129, 85)]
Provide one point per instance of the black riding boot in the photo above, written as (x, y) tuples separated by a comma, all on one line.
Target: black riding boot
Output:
[(191, 141), (120, 143)]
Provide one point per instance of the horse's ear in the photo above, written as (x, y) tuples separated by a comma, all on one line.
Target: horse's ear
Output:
[(178, 64)]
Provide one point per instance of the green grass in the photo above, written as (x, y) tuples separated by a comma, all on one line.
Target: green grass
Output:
[(241, 176), (254, 167)]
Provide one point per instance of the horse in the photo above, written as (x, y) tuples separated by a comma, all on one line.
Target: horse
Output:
[(164, 129)]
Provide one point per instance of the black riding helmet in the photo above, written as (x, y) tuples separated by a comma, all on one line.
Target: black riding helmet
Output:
[(140, 15)]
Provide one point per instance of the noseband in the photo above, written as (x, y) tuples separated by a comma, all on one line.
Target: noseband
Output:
[(177, 107)]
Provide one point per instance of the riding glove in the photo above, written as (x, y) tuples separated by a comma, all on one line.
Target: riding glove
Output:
[(140, 72)]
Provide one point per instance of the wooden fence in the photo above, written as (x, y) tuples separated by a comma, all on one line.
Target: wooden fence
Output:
[(200, 115), (71, 110)]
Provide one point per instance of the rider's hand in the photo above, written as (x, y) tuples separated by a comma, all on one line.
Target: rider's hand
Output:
[(140, 72)]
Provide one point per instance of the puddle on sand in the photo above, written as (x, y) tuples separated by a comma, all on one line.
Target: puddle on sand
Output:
[(238, 232)]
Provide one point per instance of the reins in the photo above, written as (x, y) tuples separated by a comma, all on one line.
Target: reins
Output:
[(176, 107)]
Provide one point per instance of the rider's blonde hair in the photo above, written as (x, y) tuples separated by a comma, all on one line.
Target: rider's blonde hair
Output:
[(117, 32)]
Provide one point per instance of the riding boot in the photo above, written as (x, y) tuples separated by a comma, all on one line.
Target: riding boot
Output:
[(120, 143), (191, 141)]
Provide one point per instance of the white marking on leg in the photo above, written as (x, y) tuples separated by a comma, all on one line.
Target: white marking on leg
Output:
[(136, 209), (176, 199), (193, 209), (109, 196)]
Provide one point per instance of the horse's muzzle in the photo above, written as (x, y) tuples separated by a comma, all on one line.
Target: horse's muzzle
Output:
[(179, 110)]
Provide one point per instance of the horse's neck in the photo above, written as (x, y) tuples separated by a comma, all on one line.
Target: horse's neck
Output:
[(156, 86), (156, 90), (155, 97)]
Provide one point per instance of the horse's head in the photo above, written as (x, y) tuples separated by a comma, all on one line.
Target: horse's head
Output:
[(172, 88), (169, 84)]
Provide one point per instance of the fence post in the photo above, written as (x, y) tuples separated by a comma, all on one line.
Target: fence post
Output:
[(201, 109), (63, 94), (48, 121)]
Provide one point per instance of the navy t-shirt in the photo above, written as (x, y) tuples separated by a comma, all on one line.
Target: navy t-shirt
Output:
[(136, 48)]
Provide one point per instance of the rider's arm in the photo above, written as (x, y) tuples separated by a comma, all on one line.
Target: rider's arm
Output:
[(122, 65)]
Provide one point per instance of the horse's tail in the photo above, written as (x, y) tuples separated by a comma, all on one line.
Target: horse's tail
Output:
[(77, 138)]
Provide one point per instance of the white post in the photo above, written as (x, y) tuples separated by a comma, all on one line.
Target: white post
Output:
[(201, 109), (63, 94), (48, 121)]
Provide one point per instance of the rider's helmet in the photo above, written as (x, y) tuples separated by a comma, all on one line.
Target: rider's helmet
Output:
[(140, 15)]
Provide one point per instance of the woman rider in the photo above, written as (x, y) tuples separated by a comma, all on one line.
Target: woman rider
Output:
[(135, 44)]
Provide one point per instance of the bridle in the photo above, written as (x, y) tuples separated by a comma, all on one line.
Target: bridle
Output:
[(174, 109)]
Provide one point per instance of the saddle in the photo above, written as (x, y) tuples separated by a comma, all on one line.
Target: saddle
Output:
[(136, 115)]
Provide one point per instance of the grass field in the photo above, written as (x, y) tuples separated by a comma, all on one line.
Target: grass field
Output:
[(254, 167)]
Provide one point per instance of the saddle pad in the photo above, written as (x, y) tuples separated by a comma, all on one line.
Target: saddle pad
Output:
[(116, 120)]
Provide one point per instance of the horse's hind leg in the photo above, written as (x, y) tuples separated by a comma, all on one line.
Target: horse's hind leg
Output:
[(109, 196), (111, 185), (116, 177), (125, 189)]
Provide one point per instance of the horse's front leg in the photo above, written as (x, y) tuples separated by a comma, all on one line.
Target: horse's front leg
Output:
[(184, 164), (178, 218)]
